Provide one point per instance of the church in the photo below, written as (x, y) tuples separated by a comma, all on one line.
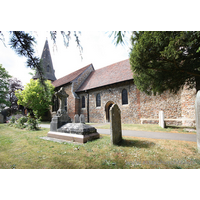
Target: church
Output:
[(92, 92)]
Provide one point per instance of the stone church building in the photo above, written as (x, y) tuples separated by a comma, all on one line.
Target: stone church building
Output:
[(92, 93)]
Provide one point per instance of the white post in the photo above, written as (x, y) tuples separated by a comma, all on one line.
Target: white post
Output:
[(197, 116), (161, 119)]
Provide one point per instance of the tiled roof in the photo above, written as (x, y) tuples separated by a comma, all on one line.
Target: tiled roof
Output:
[(111, 74), (70, 77)]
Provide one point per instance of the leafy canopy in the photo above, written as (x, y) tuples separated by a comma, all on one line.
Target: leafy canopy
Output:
[(36, 97), (165, 60), (4, 86)]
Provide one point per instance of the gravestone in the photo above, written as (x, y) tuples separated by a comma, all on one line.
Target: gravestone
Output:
[(61, 117), (115, 125), (161, 119), (1, 118), (76, 119), (197, 116), (82, 119)]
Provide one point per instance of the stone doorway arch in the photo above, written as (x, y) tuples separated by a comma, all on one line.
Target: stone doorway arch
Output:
[(107, 110)]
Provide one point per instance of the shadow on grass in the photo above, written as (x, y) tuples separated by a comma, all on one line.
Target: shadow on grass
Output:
[(136, 143), (178, 127)]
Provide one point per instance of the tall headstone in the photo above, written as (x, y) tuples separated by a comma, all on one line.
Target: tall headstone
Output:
[(1, 118), (197, 116), (76, 119), (161, 119), (115, 125), (82, 119)]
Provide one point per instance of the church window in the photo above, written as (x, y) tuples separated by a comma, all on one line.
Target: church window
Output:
[(124, 97), (98, 100), (83, 102)]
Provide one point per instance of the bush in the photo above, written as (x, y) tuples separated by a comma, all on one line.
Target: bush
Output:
[(21, 122), (12, 121), (33, 123)]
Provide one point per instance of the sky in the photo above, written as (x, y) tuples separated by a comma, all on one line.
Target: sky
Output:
[(98, 49)]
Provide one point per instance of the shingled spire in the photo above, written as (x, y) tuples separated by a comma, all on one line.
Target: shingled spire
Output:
[(47, 64)]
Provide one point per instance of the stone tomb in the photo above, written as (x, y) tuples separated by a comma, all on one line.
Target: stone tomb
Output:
[(115, 125), (75, 132)]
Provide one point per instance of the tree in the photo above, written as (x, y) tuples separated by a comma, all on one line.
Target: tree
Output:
[(36, 97), (23, 44), (165, 60), (119, 37), (14, 84), (4, 84)]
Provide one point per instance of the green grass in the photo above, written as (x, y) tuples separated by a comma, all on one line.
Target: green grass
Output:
[(150, 127), (22, 149)]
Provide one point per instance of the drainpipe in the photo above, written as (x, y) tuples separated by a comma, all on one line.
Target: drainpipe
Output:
[(88, 109)]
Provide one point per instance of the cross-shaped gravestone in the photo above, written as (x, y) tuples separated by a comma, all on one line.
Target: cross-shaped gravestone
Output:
[(61, 94)]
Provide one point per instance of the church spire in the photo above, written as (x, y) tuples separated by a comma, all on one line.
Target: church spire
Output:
[(47, 64)]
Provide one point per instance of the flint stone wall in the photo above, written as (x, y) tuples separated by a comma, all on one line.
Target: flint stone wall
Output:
[(141, 108)]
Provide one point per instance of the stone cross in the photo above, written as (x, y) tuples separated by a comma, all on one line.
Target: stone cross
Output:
[(115, 125), (61, 94), (197, 116), (76, 119), (82, 118), (161, 119)]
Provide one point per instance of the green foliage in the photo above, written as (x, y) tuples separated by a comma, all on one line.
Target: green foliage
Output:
[(118, 36), (21, 122), (4, 85), (36, 97), (33, 123), (165, 60), (12, 121)]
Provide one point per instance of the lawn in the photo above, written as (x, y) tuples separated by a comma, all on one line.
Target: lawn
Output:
[(22, 149), (152, 128)]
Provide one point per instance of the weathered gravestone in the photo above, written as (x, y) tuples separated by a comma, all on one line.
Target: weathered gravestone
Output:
[(1, 118), (115, 125), (161, 119), (82, 119), (76, 119), (197, 116)]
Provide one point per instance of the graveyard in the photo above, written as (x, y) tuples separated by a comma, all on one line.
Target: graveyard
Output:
[(23, 149), (60, 146)]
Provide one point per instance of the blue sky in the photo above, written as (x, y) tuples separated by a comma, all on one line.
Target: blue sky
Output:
[(98, 49)]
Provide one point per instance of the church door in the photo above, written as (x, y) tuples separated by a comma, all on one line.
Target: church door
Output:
[(107, 109)]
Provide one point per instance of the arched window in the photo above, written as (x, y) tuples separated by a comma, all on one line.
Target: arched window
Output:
[(98, 100), (124, 97), (83, 102)]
